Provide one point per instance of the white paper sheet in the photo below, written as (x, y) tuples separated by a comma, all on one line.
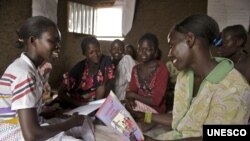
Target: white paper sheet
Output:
[(86, 109)]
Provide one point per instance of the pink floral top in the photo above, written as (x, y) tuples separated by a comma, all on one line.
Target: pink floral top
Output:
[(81, 85)]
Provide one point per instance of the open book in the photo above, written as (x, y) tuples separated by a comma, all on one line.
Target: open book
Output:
[(113, 114), (86, 109)]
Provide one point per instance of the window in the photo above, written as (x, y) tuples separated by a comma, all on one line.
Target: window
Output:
[(80, 18), (105, 23), (108, 22)]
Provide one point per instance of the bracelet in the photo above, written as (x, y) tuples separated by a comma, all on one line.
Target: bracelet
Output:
[(147, 117)]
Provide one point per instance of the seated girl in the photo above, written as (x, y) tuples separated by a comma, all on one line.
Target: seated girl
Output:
[(208, 90), (90, 78), (21, 87), (124, 65), (130, 50), (146, 91)]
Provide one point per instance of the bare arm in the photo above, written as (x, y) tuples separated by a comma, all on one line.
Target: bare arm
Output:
[(33, 131), (162, 119), (103, 90), (165, 119), (144, 99), (63, 96), (100, 91)]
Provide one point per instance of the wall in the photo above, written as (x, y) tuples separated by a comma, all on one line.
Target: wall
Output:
[(12, 15), (71, 50), (156, 16)]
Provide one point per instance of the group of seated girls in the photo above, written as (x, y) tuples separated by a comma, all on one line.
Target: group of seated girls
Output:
[(143, 84), (208, 90)]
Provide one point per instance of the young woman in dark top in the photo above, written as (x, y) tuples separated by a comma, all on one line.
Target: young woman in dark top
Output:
[(89, 79)]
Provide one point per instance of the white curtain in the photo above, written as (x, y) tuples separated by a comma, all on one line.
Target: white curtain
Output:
[(128, 9), (46, 8), (230, 12)]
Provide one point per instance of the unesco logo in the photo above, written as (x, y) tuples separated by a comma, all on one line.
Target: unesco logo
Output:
[(226, 132), (235, 132)]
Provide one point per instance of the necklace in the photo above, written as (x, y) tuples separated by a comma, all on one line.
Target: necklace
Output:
[(238, 60), (243, 54)]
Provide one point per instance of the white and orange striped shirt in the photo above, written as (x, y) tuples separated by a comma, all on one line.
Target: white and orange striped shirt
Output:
[(20, 88)]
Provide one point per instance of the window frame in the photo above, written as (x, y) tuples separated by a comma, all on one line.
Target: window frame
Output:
[(74, 26)]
